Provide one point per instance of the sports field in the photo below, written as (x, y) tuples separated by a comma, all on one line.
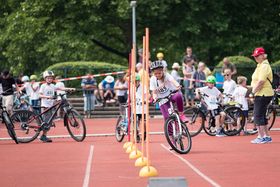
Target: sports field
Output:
[(101, 161)]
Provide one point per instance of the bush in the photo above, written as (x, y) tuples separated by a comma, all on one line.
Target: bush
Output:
[(244, 65), (276, 66), (73, 69)]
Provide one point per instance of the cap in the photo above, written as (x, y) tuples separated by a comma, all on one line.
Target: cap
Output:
[(109, 79), (175, 65), (258, 51)]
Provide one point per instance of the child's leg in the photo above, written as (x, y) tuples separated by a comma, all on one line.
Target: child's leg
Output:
[(164, 110)]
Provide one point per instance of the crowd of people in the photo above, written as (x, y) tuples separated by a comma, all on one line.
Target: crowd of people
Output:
[(192, 76)]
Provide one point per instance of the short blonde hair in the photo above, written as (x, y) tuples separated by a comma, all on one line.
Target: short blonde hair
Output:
[(241, 79)]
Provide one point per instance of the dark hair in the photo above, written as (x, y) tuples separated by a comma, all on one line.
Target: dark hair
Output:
[(6, 73)]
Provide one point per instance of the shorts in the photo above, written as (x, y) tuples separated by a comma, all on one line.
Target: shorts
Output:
[(215, 112), (245, 113), (260, 108), (122, 99)]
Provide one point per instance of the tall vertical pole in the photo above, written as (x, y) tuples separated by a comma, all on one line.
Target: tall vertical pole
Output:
[(133, 5)]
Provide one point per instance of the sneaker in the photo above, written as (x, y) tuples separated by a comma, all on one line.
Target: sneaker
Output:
[(220, 133), (45, 139), (258, 140), (267, 139), (183, 118)]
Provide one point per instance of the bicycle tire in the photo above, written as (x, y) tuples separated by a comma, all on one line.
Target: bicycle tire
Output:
[(270, 119), (172, 141), (210, 127), (234, 128), (10, 127), (77, 130), (26, 125), (119, 133), (196, 123)]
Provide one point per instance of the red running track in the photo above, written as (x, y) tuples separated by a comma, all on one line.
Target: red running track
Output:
[(101, 161)]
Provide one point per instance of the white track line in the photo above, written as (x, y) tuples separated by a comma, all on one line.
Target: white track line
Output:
[(208, 179), (88, 168)]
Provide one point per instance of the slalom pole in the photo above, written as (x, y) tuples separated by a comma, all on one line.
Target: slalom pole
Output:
[(128, 143), (147, 171), (135, 153), (142, 161)]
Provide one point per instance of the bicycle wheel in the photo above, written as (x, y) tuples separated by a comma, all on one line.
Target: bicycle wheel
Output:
[(10, 126), (196, 122), (26, 125), (210, 126), (180, 142), (270, 116), (234, 121), (120, 130), (75, 125)]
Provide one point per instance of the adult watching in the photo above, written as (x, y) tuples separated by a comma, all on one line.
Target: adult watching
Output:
[(262, 89)]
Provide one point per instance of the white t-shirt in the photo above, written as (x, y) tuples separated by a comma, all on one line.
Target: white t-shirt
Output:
[(58, 86), (120, 84), (212, 99), (139, 100), (35, 87), (47, 90), (175, 75), (239, 96), (229, 87), (28, 89), (162, 88), (164, 63)]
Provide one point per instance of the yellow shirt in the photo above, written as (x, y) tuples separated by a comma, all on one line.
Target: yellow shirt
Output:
[(262, 72)]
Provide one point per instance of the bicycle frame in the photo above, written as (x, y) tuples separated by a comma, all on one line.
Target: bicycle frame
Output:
[(174, 113)]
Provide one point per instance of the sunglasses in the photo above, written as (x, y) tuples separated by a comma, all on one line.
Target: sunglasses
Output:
[(227, 75)]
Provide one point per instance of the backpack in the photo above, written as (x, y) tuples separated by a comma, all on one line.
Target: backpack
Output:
[(275, 81)]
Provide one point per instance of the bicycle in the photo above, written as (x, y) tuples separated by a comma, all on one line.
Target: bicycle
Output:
[(28, 125), (6, 119), (233, 124), (122, 126), (176, 131)]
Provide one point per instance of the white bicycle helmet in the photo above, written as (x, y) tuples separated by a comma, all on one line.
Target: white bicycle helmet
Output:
[(25, 78), (48, 74), (156, 64)]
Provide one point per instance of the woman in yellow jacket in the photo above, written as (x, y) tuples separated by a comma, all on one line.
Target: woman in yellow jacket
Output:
[(262, 89)]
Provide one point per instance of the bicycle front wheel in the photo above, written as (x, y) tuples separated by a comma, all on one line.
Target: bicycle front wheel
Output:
[(75, 125), (26, 125), (10, 126), (270, 116), (196, 121), (179, 141), (120, 130)]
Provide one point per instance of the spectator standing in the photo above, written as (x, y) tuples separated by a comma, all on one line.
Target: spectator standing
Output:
[(88, 85), (121, 92), (228, 65), (229, 84), (199, 76), (188, 71), (205, 69), (262, 89), (189, 54), (7, 82), (175, 72), (60, 86), (34, 95), (160, 57)]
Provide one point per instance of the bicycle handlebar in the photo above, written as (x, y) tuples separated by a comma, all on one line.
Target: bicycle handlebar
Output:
[(167, 97)]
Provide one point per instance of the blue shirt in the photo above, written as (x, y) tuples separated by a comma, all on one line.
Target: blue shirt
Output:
[(90, 82), (108, 86)]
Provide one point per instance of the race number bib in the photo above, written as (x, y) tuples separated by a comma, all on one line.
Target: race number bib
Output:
[(163, 101), (212, 103)]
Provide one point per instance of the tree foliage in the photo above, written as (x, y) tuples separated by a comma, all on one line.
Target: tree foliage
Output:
[(36, 34)]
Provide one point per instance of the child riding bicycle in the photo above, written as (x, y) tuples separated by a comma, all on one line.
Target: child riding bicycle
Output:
[(161, 85), (212, 94), (47, 95)]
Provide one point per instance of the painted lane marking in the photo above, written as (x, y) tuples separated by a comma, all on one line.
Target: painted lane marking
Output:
[(88, 168), (197, 171)]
